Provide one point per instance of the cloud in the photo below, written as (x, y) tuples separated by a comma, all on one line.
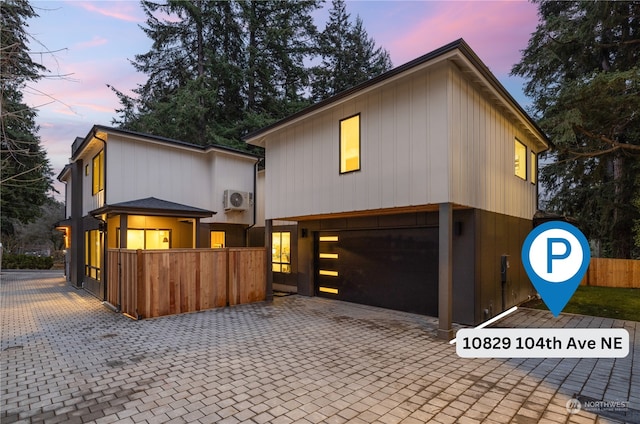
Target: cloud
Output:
[(94, 42), (496, 30), (120, 10)]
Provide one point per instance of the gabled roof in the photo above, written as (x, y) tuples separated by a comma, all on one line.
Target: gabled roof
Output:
[(154, 206), (465, 53), (80, 143)]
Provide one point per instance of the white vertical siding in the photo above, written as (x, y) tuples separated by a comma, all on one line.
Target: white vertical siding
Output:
[(403, 143), (230, 172), (418, 132), (137, 169), (438, 137), (482, 146), (430, 137)]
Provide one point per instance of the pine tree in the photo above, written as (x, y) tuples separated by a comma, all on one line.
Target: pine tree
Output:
[(583, 76), (219, 69), (26, 176), (193, 90), (280, 36), (349, 55)]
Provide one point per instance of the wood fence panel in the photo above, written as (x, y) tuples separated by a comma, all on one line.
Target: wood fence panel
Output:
[(605, 272), (213, 278), (247, 279), (122, 280), (153, 283), (129, 283), (113, 286)]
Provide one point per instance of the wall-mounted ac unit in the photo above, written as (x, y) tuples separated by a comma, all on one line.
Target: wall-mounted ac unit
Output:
[(235, 200)]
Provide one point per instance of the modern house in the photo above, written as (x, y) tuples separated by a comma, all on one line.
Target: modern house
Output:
[(138, 191), (413, 191)]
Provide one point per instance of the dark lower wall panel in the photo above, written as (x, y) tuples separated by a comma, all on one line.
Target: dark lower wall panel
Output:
[(496, 236), (464, 267), (235, 234)]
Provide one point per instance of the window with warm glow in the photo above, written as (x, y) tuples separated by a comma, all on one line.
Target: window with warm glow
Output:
[(534, 167), (157, 239), (92, 253), (350, 144), (217, 239), (147, 239), (281, 252), (520, 160), (98, 172)]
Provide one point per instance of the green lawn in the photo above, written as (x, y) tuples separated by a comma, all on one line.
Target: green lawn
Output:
[(606, 302)]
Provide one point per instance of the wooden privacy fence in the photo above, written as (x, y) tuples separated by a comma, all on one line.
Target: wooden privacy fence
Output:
[(153, 283), (605, 272)]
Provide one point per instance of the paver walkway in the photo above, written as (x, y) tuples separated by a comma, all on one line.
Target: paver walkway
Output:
[(66, 358)]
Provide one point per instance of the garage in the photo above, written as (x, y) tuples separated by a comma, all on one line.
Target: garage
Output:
[(389, 268)]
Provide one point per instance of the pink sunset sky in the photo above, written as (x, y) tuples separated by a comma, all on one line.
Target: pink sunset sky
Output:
[(93, 42)]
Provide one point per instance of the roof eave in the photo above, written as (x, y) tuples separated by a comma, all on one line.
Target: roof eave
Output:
[(163, 140), (135, 210)]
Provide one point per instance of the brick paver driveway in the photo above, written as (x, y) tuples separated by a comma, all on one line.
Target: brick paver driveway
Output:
[(66, 358)]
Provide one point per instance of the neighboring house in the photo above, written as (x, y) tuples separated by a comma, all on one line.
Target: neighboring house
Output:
[(412, 191), (138, 191)]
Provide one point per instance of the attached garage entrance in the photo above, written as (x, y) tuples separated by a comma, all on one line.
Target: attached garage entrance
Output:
[(390, 268)]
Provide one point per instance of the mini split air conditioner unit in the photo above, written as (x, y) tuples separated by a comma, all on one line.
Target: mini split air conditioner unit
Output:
[(235, 200)]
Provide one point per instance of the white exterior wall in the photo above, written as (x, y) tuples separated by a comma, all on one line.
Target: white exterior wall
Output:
[(429, 137), (404, 153), (482, 154), (89, 200), (230, 172), (137, 169)]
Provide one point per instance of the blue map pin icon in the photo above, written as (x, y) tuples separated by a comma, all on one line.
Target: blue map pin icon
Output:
[(556, 256)]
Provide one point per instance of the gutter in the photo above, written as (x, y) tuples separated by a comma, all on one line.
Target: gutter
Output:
[(255, 201)]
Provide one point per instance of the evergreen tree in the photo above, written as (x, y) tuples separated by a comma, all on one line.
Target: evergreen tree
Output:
[(219, 69), (583, 76), (280, 36), (349, 55), (26, 176), (194, 68)]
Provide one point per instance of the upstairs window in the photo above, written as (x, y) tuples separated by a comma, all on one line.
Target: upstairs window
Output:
[(520, 160), (98, 172), (350, 144)]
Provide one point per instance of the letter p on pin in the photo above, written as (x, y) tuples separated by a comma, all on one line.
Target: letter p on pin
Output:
[(558, 256)]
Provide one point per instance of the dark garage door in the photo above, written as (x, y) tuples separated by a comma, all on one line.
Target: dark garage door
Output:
[(390, 268)]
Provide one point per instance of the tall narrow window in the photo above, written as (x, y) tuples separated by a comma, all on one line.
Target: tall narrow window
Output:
[(281, 252), (350, 144), (92, 254), (520, 160), (534, 167), (98, 172)]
